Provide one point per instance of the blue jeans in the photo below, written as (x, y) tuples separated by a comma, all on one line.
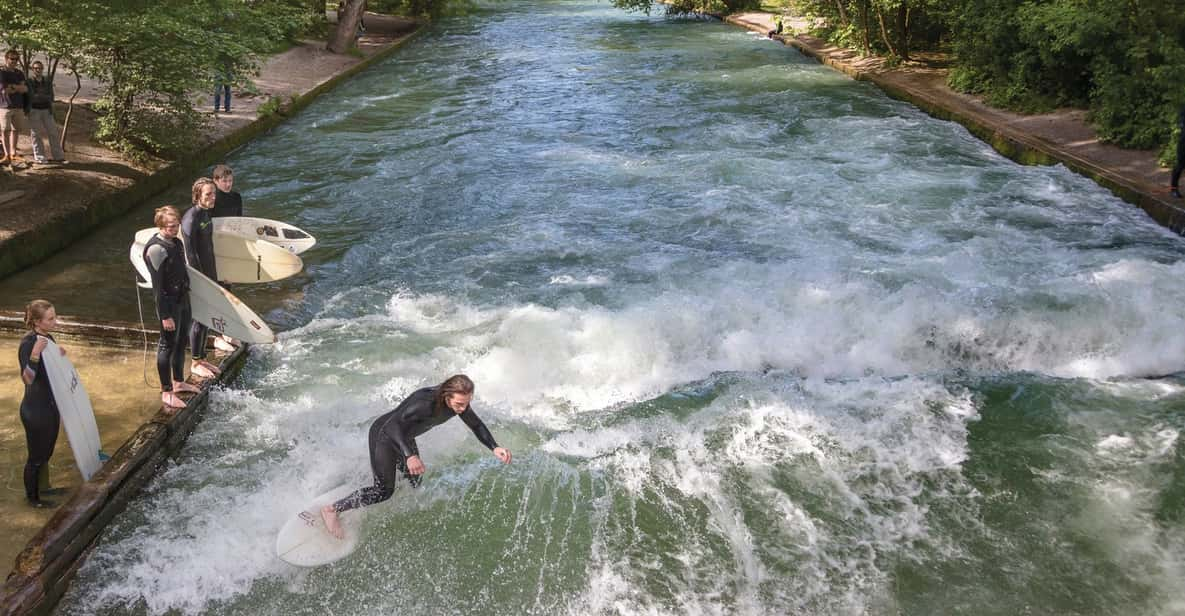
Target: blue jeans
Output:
[(218, 91)]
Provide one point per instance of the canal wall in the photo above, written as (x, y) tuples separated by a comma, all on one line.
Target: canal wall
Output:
[(1045, 139)]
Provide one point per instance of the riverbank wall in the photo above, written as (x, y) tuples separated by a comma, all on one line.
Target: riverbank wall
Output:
[(1045, 139)]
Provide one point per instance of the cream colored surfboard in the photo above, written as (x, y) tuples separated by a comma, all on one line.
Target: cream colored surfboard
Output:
[(303, 541), (212, 305), (281, 234), (245, 260)]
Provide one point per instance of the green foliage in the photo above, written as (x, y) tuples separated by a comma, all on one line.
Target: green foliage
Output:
[(157, 58), (691, 7), (271, 106), (1121, 60)]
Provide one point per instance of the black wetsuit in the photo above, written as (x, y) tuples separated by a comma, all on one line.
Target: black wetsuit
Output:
[(227, 204), (197, 229), (170, 285), (393, 441), (1180, 166), (39, 416)]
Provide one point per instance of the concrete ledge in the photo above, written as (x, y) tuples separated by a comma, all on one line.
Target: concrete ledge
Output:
[(114, 333), (1019, 146), (46, 566), (36, 245)]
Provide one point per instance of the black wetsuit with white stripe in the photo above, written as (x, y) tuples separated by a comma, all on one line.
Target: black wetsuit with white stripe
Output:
[(393, 441), (170, 284)]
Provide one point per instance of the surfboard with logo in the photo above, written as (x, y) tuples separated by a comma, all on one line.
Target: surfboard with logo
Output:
[(281, 234), (74, 406), (304, 541), (211, 304)]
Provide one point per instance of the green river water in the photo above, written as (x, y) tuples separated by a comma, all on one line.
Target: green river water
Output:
[(761, 339)]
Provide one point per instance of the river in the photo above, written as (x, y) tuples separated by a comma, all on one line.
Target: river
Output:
[(761, 339)]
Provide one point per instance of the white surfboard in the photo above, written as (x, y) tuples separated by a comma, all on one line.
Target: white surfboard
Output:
[(303, 540), (240, 259), (74, 405), (281, 234), (212, 305), (218, 309)]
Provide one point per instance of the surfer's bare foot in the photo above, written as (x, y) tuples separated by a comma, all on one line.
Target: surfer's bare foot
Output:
[(202, 370), (224, 343), (209, 366), (182, 386), (332, 524), (171, 399)]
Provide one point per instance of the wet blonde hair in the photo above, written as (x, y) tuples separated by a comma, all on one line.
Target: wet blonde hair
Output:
[(196, 193), (35, 311), (163, 212), (221, 171)]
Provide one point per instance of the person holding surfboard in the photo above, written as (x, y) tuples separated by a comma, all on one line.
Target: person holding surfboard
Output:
[(39, 411), (227, 202), (393, 443), (197, 234), (165, 259)]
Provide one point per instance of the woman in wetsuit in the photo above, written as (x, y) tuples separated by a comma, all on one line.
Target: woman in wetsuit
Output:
[(170, 284), (393, 442), (197, 233), (39, 412)]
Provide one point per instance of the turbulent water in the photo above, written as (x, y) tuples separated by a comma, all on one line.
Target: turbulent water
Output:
[(762, 341)]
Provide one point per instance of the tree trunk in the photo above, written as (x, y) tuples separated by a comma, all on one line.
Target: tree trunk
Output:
[(347, 27), (903, 30), (880, 18), (70, 108), (866, 28), (843, 14)]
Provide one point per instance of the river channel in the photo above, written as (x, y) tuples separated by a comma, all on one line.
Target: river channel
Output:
[(762, 340)]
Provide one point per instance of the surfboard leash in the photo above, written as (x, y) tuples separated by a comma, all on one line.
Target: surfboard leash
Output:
[(143, 332)]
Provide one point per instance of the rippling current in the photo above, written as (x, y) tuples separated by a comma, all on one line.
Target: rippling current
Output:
[(761, 339)]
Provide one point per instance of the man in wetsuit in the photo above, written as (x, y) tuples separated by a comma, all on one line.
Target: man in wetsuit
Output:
[(1180, 166), (393, 442), (197, 232), (227, 202)]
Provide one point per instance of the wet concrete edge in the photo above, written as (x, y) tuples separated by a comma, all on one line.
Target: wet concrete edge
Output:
[(1018, 146), (40, 243), (44, 569)]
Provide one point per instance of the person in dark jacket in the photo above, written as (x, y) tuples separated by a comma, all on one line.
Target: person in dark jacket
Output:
[(39, 411), (165, 259), (197, 233), (12, 107), (393, 442), (41, 122), (1180, 166)]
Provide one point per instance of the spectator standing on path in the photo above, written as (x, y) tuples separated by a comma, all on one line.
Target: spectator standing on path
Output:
[(1180, 166), (222, 81), (12, 107), (41, 124), (197, 234), (227, 202)]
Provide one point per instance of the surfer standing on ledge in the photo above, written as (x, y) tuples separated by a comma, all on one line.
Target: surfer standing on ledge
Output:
[(165, 259), (39, 412), (393, 442)]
